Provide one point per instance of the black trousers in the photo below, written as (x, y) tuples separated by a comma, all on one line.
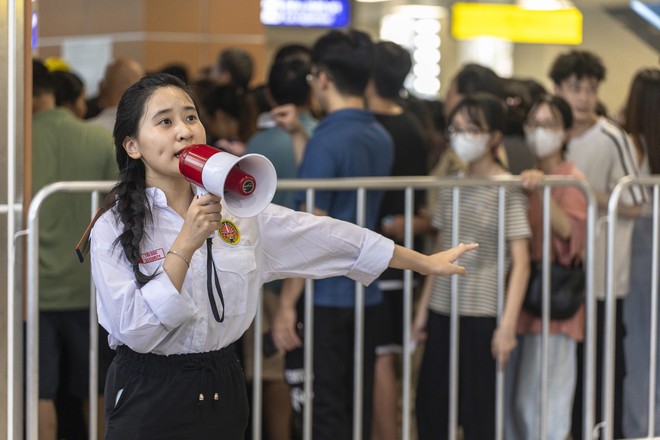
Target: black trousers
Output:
[(200, 396), (332, 413), (476, 380), (619, 374)]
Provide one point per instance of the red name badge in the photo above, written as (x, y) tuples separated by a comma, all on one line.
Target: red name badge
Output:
[(151, 256)]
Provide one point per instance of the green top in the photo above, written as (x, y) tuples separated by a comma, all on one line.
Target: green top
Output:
[(65, 148)]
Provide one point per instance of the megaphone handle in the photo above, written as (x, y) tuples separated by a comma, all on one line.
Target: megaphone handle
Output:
[(200, 191)]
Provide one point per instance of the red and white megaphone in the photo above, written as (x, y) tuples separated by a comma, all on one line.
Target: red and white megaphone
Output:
[(245, 184)]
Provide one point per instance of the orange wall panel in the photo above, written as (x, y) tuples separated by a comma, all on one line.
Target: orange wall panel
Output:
[(83, 17), (157, 54), (172, 16), (233, 17)]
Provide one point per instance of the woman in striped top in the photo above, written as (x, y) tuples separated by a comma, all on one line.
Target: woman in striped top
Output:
[(475, 131)]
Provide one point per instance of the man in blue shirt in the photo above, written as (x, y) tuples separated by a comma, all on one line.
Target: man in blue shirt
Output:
[(348, 142)]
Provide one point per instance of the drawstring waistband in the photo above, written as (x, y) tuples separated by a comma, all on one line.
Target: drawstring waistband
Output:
[(205, 366), (155, 365)]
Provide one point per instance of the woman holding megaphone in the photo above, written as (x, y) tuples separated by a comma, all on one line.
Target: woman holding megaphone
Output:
[(178, 275)]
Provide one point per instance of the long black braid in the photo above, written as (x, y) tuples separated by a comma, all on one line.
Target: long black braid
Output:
[(129, 194)]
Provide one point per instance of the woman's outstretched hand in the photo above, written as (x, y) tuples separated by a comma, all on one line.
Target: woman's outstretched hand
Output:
[(441, 263)]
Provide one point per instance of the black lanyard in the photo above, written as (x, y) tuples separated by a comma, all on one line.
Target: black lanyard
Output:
[(210, 267)]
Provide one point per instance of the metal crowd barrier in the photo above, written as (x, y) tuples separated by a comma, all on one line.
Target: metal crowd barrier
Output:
[(646, 182), (361, 185), (32, 309)]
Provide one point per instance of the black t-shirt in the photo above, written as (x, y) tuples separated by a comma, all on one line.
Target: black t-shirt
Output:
[(410, 159)]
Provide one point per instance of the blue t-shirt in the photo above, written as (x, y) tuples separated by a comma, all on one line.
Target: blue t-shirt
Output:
[(347, 143)]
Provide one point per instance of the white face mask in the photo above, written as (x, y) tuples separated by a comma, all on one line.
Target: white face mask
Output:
[(469, 148), (543, 142)]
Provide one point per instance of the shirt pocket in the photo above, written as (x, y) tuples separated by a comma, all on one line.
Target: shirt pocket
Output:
[(235, 267)]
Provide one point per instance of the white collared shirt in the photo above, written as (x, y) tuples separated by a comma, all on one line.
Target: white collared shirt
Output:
[(278, 243)]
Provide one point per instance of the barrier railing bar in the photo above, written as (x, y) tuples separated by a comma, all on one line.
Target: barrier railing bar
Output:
[(15, 208), (407, 315), (547, 238), (93, 346), (358, 345), (501, 281), (654, 312), (454, 329), (14, 338), (610, 318), (589, 365), (309, 339)]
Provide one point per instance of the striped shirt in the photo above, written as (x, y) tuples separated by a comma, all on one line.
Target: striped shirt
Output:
[(605, 154), (478, 223)]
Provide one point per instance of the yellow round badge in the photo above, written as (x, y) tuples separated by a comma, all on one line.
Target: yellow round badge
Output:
[(229, 232)]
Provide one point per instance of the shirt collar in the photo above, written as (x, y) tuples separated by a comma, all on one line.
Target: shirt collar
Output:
[(156, 197)]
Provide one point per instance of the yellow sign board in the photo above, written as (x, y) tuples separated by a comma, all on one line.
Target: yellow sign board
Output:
[(517, 24)]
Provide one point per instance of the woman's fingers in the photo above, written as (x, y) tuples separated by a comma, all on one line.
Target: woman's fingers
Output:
[(205, 214), (455, 253)]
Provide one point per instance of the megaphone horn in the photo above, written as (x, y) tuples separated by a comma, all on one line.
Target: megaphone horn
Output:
[(245, 184)]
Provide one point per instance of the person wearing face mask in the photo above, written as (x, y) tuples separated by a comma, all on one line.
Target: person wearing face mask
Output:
[(475, 129), (546, 127)]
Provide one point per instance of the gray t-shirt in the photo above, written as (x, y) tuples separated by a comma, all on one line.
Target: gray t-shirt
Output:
[(605, 154)]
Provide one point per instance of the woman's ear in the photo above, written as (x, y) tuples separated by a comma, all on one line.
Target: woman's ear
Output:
[(131, 146)]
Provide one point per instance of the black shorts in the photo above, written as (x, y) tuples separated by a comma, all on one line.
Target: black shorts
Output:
[(64, 353), (389, 323)]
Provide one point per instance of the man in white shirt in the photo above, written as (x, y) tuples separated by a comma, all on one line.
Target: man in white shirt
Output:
[(604, 153)]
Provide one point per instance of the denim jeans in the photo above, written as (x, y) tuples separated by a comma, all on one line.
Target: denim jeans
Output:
[(524, 388)]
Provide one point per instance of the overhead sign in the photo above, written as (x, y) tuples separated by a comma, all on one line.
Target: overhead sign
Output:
[(516, 24), (306, 13)]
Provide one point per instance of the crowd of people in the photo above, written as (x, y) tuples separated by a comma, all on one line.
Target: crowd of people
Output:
[(172, 363)]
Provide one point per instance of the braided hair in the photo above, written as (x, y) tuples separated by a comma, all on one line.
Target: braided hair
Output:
[(129, 194)]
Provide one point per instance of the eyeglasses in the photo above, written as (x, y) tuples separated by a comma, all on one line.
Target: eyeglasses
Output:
[(453, 131), (548, 125), (314, 73)]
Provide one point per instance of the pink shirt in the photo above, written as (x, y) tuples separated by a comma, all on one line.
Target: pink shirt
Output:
[(572, 201)]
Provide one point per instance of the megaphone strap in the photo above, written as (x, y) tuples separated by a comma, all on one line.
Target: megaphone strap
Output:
[(82, 248), (210, 267)]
